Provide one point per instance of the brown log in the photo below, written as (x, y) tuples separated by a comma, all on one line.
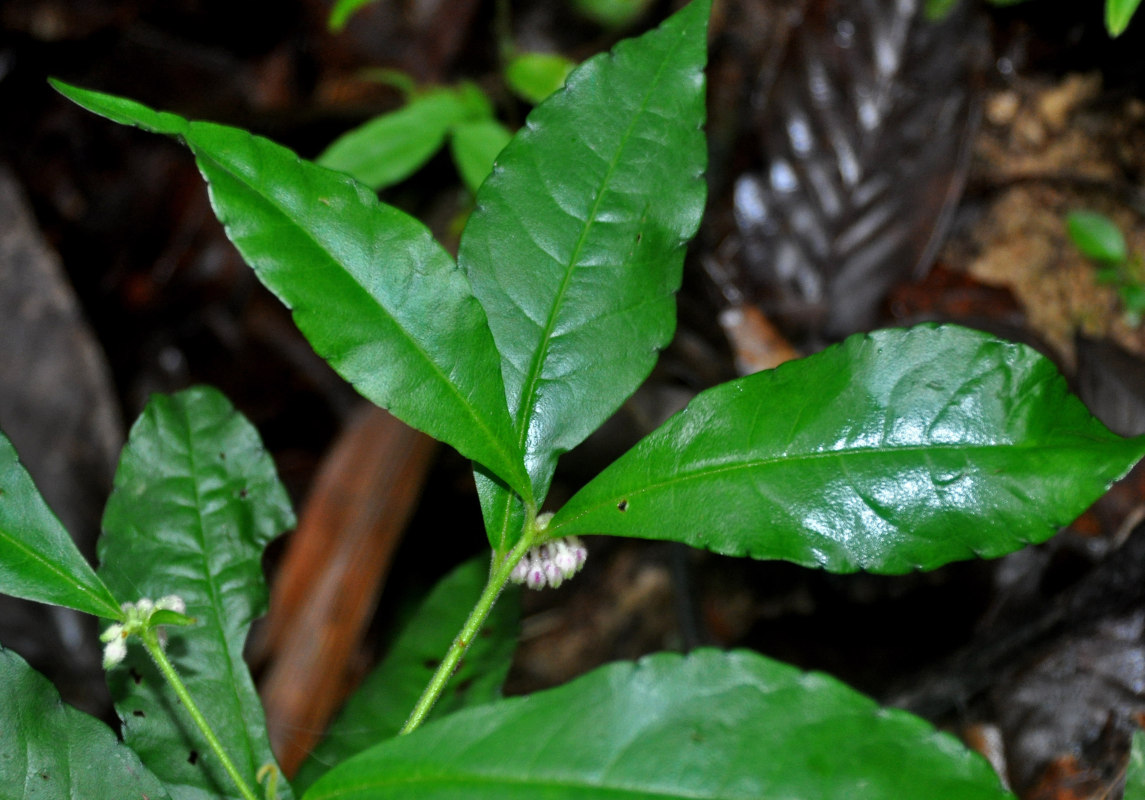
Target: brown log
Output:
[(327, 587)]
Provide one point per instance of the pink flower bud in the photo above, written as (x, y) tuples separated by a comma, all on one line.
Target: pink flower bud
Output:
[(536, 577), (553, 573), (579, 551), (564, 557), (520, 571)]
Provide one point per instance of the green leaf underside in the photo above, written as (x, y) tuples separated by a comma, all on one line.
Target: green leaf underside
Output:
[(370, 289), (1096, 236), (38, 558), (896, 450), (49, 750), (390, 148), (196, 501), (1118, 14), (708, 726), (381, 705), (475, 146), (576, 246)]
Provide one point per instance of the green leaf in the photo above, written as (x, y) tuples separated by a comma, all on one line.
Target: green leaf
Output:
[(1135, 773), (1096, 236), (535, 76), (612, 13), (896, 450), (381, 705), (38, 558), (342, 11), (370, 288), (49, 750), (475, 146), (1118, 14), (711, 725), (390, 148), (577, 244), (935, 10), (196, 501)]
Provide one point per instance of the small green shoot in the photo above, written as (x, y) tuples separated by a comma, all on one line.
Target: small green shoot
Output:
[(1099, 238)]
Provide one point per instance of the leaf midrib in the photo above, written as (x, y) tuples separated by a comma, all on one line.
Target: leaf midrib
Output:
[(701, 474), (525, 408), (82, 588), (470, 409), (214, 593)]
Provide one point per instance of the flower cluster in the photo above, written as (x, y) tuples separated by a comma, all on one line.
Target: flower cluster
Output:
[(136, 618), (550, 564)]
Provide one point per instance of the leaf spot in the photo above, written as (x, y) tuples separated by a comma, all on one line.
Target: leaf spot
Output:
[(193, 758), (431, 663), (138, 713), (622, 506), (135, 676)]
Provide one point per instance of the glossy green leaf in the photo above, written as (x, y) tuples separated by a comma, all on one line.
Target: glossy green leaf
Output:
[(38, 558), (1118, 14), (196, 501), (475, 146), (49, 750), (1135, 772), (342, 11), (711, 725), (390, 148), (381, 705), (576, 246), (1096, 236), (896, 450), (370, 288), (535, 76)]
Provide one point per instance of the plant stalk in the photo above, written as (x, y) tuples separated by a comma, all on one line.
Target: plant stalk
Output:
[(498, 577), (151, 641)]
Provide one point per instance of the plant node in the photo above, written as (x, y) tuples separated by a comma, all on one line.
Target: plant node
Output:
[(138, 617)]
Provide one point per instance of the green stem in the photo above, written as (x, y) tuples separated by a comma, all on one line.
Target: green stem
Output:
[(498, 577), (151, 641)]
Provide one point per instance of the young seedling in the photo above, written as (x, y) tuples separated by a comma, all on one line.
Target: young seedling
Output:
[(391, 147), (1118, 13), (1099, 238), (893, 451)]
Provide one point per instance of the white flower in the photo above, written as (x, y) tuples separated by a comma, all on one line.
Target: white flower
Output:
[(136, 621), (115, 649), (172, 602)]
